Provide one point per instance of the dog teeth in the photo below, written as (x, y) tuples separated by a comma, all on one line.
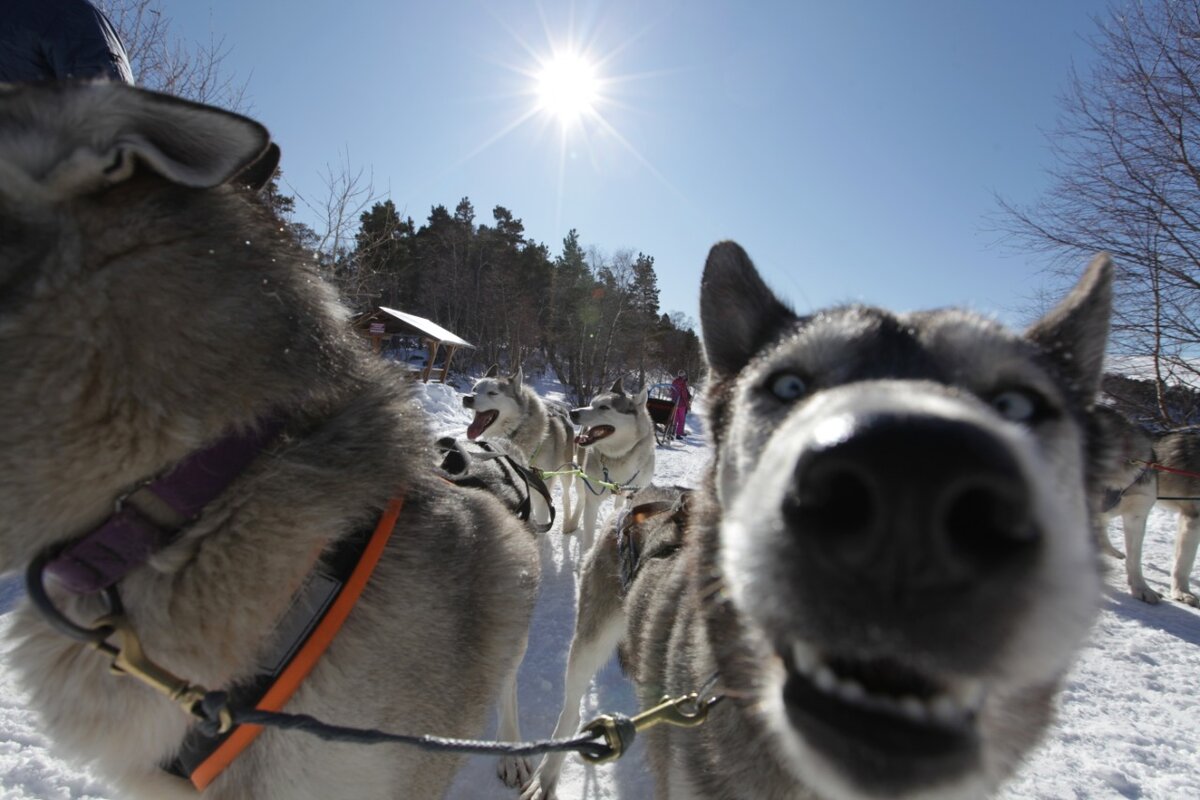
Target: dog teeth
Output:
[(954, 707), (943, 709), (914, 709), (969, 695), (851, 691), (806, 658), (825, 680)]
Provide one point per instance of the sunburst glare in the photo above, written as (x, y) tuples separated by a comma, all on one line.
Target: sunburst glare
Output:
[(567, 87)]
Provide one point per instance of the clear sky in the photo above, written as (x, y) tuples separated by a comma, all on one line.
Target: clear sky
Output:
[(853, 148)]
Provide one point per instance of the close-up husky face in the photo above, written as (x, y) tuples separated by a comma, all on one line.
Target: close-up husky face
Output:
[(612, 416), (495, 401), (904, 542)]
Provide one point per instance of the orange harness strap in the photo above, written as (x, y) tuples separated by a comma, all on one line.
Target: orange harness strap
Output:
[(306, 658)]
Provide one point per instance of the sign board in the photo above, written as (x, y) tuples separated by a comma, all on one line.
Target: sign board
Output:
[(376, 328)]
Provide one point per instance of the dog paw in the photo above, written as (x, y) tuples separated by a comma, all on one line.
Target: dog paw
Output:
[(1187, 598), (514, 771), (1145, 594)]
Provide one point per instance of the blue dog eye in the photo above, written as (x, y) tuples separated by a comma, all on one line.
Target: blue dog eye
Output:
[(1016, 405), (788, 386)]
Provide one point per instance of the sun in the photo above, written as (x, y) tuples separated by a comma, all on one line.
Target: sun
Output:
[(567, 87)]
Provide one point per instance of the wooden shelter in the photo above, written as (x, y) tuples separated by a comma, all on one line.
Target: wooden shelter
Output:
[(384, 323)]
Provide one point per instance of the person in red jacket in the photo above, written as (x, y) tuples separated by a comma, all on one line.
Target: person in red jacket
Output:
[(683, 401)]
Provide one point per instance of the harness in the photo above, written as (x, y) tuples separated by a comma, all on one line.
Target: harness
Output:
[(630, 543), (98, 560), (226, 724), (317, 613), (1112, 497), (532, 478), (153, 514)]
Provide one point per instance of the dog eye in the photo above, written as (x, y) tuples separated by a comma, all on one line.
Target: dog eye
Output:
[(788, 386), (1019, 405)]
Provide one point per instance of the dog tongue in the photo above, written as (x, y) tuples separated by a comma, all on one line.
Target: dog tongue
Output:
[(477, 426)]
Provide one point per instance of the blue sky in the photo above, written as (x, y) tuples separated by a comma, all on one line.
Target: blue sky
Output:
[(853, 148)]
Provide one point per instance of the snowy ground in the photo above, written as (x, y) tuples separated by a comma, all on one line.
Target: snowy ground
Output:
[(1129, 723)]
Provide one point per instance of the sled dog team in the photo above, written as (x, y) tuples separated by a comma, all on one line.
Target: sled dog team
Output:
[(874, 592)]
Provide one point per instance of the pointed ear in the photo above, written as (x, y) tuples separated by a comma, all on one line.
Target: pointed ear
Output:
[(1074, 333), (103, 131), (618, 386), (642, 395), (518, 377), (738, 313), (259, 174), (493, 371)]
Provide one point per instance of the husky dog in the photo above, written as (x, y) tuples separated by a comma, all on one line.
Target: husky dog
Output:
[(184, 319), (1121, 450), (617, 438), (887, 569), (497, 466), (506, 407), (633, 555), (1133, 487)]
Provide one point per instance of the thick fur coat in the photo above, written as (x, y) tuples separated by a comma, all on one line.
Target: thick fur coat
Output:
[(148, 306), (888, 568)]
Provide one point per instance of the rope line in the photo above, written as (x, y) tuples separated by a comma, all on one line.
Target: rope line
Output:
[(213, 702)]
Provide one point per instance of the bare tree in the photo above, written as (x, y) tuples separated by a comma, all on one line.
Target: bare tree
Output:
[(348, 192), (165, 63), (1127, 180)]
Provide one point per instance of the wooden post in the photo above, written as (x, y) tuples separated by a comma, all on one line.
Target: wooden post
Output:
[(450, 348), (433, 348)]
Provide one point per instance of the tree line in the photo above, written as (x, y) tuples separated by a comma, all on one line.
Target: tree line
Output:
[(589, 316)]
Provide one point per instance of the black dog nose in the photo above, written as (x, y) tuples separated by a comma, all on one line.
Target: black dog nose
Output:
[(574, 412), (468, 401), (927, 499)]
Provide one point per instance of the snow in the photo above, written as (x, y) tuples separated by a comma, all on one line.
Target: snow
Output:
[(1129, 721)]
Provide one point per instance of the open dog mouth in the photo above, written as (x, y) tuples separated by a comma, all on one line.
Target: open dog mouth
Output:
[(481, 422), (880, 705), (589, 436)]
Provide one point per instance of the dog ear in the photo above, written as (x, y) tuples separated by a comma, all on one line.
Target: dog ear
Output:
[(738, 313), (120, 127), (259, 174), (1075, 332), (642, 396), (493, 371), (518, 377), (618, 386)]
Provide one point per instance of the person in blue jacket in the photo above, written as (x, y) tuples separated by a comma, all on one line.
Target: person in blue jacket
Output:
[(45, 40)]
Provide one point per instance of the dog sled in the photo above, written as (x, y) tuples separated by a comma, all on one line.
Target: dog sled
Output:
[(663, 403)]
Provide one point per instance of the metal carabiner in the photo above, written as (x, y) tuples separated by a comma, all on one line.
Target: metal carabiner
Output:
[(686, 711), (130, 659)]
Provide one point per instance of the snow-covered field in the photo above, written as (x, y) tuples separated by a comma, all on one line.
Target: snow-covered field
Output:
[(1129, 723)]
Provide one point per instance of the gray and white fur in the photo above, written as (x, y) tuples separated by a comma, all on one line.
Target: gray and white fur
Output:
[(1132, 487), (888, 567), (505, 407), (617, 441), (149, 305)]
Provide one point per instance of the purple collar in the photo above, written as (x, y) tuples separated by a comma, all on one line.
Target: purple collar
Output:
[(102, 557)]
